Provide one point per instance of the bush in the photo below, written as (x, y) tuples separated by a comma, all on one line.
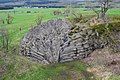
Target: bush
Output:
[(4, 36), (39, 20), (75, 18), (107, 27), (110, 33), (78, 18), (9, 19), (115, 18), (1, 21), (28, 11)]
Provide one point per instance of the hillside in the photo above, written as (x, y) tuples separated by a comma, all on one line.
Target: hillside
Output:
[(59, 44)]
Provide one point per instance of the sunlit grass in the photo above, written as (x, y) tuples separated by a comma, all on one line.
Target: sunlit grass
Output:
[(25, 20)]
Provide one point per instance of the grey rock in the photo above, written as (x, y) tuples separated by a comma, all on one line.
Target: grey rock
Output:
[(50, 42), (86, 46)]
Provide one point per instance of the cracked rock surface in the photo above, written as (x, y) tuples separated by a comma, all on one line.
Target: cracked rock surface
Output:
[(56, 41)]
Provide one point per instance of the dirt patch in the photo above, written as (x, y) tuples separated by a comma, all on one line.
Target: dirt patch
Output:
[(1, 71), (2, 67), (104, 63)]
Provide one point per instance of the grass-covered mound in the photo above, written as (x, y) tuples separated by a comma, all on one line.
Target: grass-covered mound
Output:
[(20, 68), (105, 28), (109, 32)]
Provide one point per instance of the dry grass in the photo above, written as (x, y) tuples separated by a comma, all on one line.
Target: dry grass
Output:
[(104, 63)]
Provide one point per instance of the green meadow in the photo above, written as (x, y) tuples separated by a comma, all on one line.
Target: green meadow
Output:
[(25, 20), (20, 68)]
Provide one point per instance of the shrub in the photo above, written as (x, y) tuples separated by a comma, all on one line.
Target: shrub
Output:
[(39, 20), (4, 35), (115, 18), (1, 21), (28, 11), (9, 19), (110, 33), (75, 18), (57, 12), (107, 27)]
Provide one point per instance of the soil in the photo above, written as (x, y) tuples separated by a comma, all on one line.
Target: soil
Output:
[(104, 63)]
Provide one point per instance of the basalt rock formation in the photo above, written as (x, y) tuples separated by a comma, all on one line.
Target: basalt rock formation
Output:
[(58, 41)]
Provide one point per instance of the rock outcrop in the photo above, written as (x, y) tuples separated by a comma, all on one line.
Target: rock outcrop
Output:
[(57, 41)]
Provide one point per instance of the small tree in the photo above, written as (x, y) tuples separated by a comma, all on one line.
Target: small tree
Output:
[(104, 6), (39, 20), (1, 21), (9, 19), (57, 12), (87, 4), (4, 39)]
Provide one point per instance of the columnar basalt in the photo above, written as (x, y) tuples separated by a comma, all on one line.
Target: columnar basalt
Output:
[(56, 41)]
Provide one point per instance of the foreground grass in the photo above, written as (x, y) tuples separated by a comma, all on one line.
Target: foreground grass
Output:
[(23, 69)]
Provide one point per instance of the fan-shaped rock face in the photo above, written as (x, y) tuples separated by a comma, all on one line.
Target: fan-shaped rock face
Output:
[(51, 42)]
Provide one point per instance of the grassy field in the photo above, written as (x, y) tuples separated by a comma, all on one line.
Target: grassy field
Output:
[(27, 70), (25, 20), (20, 68)]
